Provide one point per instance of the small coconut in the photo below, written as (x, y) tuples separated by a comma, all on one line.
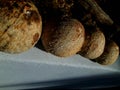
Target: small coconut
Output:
[(94, 44), (110, 54), (63, 38)]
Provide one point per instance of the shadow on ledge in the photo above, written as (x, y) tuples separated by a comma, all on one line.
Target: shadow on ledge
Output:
[(39, 45)]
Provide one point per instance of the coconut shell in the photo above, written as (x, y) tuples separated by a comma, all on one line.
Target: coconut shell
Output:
[(110, 54), (94, 44), (63, 38), (20, 25)]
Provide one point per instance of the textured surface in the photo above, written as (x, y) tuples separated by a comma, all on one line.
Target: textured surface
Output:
[(94, 44), (20, 25), (110, 54), (63, 39)]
